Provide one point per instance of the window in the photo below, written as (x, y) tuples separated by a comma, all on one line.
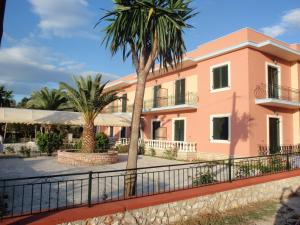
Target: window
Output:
[(180, 92), (220, 77), (179, 130), (111, 131), (155, 127), (220, 128)]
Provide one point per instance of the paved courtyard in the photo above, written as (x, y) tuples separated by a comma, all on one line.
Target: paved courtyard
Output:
[(27, 167)]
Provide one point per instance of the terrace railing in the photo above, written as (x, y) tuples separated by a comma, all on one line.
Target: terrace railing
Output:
[(282, 149), (277, 92), (24, 196)]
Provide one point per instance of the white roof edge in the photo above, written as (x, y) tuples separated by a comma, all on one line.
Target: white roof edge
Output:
[(233, 48)]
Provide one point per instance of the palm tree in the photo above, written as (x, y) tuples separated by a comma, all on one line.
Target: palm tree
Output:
[(148, 31), (2, 10), (89, 98), (6, 97), (47, 99)]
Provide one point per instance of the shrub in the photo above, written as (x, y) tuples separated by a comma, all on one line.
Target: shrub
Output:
[(122, 148), (142, 149), (245, 170), (10, 149), (25, 151), (101, 140), (78, 145), (152, 152), (170, 153), (48, 142), (206, 177)]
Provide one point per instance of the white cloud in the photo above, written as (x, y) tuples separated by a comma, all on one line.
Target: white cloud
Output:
[(24, 69), (64, 18), (290, 20)]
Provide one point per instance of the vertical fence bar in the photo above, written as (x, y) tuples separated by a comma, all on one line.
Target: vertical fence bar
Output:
[(90, 189), (287, 162), (230, 169)]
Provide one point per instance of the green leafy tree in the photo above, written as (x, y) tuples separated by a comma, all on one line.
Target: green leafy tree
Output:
[(23, 102), (101, 140), (49, 142), (89, 98), (6, 97), (48, 99), (147, 31)]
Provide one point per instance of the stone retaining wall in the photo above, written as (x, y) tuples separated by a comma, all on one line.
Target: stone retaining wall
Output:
[(84, 159), (171, 212)]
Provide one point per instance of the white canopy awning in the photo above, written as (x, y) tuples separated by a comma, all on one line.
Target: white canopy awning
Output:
[(32, 116)]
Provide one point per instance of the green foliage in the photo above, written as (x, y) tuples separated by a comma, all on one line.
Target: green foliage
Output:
[(10, 149), (88, 97), (146, 26), (244, 170), (122, 148), (152, 152), (48, 142), (25, 151), (206, 177), (47, 99), (170, 153), (6, 97), (78, 145), (141, 149), (101, 140)]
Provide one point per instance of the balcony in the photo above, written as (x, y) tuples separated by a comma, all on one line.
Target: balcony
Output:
[(277, 96), (171, 103), (118, 109)]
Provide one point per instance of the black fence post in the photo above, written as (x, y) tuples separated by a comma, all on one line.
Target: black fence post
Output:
[(287, 162), (230, 169), (90, 188)]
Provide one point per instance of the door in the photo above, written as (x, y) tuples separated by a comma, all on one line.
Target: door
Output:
[(179, 130), (180, 92), (123, 132), (155, 126), (156, 96), (274, 135), (273, 84)]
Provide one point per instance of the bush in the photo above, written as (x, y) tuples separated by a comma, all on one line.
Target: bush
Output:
[(122, 148), (206, 177), (101, 140), (152, 152), (170, 153), (10, 149), (78, 145), (48, 142), (142, 149), (25, 151)]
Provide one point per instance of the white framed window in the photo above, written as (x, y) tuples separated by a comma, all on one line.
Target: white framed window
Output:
[(270, 130), (220, 77), (220, 128), (179, 129)]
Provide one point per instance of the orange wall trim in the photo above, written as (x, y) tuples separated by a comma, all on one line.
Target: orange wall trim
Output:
[(81, 213)]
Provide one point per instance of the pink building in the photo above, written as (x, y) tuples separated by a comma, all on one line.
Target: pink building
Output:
[(228, 97)]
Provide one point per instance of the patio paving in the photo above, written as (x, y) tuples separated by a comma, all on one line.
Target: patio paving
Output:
[(39, 166)]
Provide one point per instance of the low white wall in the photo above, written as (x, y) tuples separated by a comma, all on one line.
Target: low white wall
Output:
[(17, 146)]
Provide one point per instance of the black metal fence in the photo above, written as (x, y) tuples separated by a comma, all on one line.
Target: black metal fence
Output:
[(25, 196)]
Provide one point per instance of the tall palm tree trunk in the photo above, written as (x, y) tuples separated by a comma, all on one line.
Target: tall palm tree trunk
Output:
[(130, 178), (88, 142), (2, 10)]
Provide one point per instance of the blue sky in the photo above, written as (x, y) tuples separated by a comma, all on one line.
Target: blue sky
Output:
[(47, 41)]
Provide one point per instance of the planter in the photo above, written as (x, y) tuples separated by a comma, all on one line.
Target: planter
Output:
[(87, 159)]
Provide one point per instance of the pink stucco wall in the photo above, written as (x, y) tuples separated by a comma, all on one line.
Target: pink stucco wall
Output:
[(248, 120)]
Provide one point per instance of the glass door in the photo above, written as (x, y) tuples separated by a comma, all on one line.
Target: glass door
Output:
[(179, 130), (273, 84), (155, 126), (274, 135)]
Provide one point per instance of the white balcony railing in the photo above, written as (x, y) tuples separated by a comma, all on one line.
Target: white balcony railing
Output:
[(181, 146)]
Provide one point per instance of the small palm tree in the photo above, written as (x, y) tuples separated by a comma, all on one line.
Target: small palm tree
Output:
[(89, 98), (6, 97), (47, 99)]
